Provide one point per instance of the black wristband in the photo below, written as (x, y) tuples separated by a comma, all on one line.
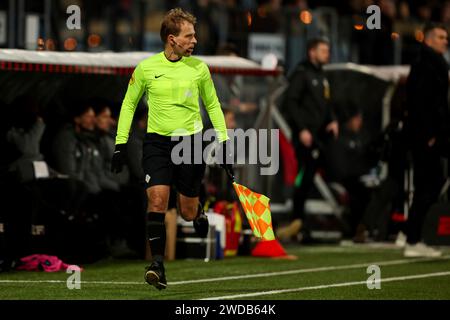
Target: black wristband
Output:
[(120, 147)]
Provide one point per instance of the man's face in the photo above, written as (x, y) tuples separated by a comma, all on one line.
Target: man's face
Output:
[(103, 120), (184, 43), (86, 121), (230, 120), (437, 40), (355, 123), (320, 54)]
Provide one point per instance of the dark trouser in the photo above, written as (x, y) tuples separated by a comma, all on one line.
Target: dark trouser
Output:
[(428, 179), (387, 198), (308, 164), (359, 199)]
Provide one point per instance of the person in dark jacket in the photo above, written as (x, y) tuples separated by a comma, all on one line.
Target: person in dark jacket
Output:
[(74, 152), (104, 141), (427, 97), (307, 108)]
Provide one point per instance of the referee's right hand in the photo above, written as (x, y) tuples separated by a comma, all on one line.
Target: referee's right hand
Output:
[(118, 159), (227, 159)]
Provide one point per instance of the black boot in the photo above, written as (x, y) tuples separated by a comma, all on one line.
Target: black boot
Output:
[(155, 275)]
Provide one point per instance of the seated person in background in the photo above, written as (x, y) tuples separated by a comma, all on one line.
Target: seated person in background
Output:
[(19, 188), (73, 149), (25, 134), (104, 140), (347, 161), (77, 155), (389, 197)]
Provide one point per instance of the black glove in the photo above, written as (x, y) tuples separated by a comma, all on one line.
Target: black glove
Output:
[(118, 159), (226, 152)]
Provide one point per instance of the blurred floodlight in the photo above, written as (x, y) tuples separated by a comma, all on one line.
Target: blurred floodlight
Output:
[(94, 40), (70, 44), (306, 17)]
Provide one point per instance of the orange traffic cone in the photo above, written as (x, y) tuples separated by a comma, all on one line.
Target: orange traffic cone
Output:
[(271, 249)]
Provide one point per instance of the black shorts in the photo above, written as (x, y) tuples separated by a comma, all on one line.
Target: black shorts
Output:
[(160, 169)]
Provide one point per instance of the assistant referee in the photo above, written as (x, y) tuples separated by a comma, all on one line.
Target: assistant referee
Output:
[(173, 80)]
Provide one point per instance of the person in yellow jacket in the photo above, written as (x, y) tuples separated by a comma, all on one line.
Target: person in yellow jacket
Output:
[(172, 80)]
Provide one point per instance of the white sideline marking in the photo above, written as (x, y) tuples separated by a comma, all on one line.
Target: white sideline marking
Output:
[(64, 281), (334, 285), (248, 276), (331, 268)]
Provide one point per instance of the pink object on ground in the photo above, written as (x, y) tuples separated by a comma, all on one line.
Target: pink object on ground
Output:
[(43, 262)]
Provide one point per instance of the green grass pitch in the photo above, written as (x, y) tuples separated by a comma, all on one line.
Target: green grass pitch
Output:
[(320, 272)]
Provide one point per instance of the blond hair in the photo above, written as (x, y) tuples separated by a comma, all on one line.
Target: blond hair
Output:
[(172, 21)]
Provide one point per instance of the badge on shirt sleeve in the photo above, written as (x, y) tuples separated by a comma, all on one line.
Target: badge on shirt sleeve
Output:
[(326, 89)]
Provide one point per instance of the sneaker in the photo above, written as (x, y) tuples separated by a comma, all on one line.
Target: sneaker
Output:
[(420, 250), (401, 240), (291, 230), (201, 224), (155, 275)]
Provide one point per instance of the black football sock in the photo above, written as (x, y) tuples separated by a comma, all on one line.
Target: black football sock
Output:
[(156, 231), (199, 210)]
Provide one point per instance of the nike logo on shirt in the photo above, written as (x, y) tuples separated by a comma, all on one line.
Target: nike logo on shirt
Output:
[(156, 77)]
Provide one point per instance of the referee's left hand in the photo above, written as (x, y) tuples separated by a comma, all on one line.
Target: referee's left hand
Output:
[(118, 159)]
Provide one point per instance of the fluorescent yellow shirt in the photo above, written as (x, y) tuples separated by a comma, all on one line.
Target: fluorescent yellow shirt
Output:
[(173, 90)]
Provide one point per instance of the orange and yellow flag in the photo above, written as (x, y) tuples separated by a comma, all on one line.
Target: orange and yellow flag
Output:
[(257, 209)]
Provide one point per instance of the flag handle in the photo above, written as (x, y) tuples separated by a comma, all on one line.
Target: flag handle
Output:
[(229, 174)]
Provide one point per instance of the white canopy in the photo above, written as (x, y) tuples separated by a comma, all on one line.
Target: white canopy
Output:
[(124, 60), (385, 73)]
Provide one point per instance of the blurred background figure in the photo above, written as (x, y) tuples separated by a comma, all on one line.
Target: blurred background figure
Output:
[(347, 160), (312, 120), (230, 90), (428, 125), (105, 143), (81, 152), (26, 131), (74, 151), (21, 193)]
